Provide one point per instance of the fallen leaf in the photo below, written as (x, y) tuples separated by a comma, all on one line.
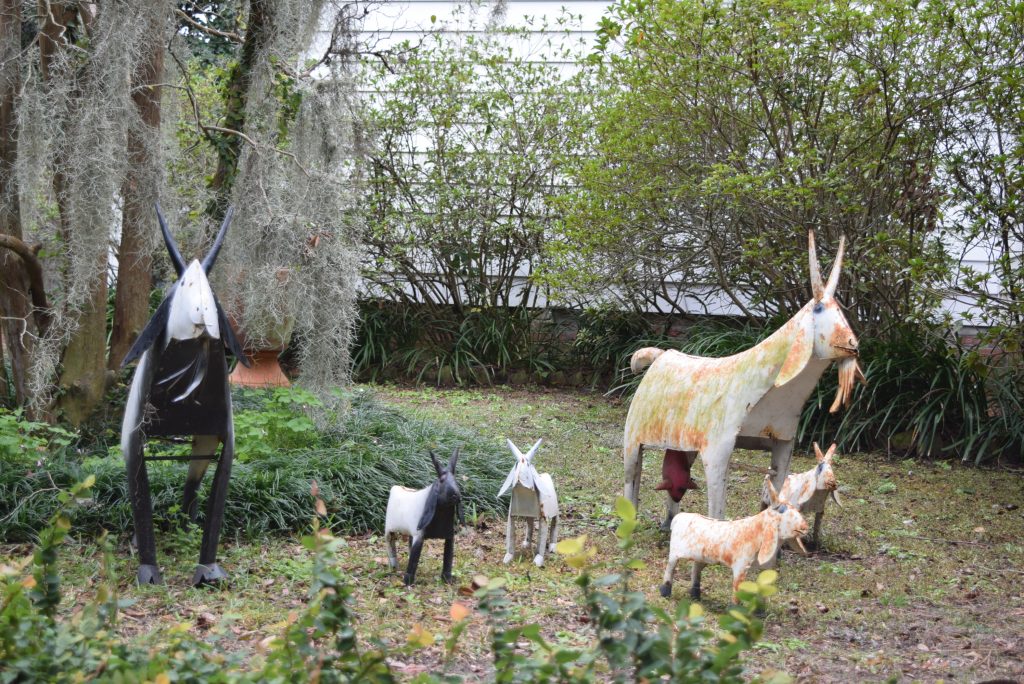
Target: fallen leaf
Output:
[(458, 612)]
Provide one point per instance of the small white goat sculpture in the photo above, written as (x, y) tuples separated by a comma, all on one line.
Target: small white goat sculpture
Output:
[(810, 489), (535, 500), (735, 543), (706, 407)]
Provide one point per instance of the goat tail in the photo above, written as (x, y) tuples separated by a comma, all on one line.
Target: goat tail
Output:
[(642, 358)]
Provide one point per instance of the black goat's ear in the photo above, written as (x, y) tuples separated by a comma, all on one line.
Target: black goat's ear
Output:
[(430, 507), (153, 330), (453, 460), (172, 246), (227, 334), (211, 256), (437, 464)]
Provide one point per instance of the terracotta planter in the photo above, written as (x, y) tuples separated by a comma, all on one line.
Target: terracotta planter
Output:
[(265, 372)]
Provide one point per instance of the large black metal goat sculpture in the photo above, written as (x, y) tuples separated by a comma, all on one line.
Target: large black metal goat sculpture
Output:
[(180, 387)]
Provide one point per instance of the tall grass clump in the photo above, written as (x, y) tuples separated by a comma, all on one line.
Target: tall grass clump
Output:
[(445, 345), (928, 396), (354, 460)]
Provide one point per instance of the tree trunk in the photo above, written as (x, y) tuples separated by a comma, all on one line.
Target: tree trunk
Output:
[(257, 36), (83, 377), (134, 272), (14, 287)]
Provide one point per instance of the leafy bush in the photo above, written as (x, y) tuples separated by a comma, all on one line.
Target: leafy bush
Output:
[(20, 437), (634, 641), (355, 461)]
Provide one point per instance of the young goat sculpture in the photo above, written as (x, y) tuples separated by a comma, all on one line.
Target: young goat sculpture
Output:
[(708, 406), (533, 499), (180, 387), (735, 543), (810, 489), (427, 513)]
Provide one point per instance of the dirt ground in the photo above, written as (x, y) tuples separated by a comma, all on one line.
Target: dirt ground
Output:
[(920, 576)]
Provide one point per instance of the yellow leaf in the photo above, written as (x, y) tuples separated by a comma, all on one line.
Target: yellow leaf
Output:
[(728, 638), (28, 582), (162, 678), (625, 509), (769, 591), (740, 616), (767, 577), (571, 547), (420, 637), (321, 509), (89, 482), (696, 611), (748, 587), (458, 612)]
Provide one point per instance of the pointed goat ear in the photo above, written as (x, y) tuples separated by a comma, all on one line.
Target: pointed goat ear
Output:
[(769, 543), (772, 494), (533, 450), (515, 450), (153, 331), (437, 464), (817, 453), (172, 246), (800, 349), (211, 256), (812, 261), (833, 276), (830, 453), (453, 461)]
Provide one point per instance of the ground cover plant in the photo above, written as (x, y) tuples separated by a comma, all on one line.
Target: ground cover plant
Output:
[(919, 576), (354, 458)]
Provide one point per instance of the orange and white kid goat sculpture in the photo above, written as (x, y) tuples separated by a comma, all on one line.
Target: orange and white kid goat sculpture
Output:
[(698, 406)]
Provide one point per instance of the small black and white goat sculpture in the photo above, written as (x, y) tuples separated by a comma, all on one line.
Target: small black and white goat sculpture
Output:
[(180, 387), (428, 513), (533, 499)]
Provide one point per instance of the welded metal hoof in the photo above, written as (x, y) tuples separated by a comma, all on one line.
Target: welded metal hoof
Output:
[(149, 574), (210, 575)]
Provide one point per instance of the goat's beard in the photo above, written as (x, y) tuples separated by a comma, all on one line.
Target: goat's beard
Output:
[(849, 374)]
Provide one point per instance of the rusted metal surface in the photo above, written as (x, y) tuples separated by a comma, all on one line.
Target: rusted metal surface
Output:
[(703, 406), (735, 543)]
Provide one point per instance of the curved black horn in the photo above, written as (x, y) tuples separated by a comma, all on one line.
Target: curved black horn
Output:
[(437, 464), (172, 246), (211, 257)]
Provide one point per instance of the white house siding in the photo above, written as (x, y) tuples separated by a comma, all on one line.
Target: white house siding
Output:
[(545, 41)]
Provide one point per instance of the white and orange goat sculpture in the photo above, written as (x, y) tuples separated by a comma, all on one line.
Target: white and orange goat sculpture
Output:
[(697, 406), (736, 543), (811, 489), (534, 500)]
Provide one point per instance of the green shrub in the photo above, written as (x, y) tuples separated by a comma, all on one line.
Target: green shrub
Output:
[(355, 461), (21, 438), (927, 396), (444, 345)]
